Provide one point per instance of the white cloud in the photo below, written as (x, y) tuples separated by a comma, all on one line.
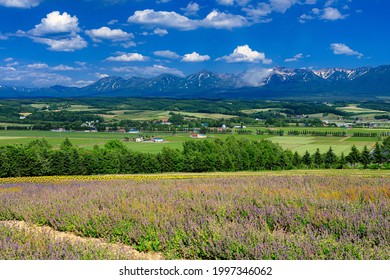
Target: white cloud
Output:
[(340, 48), (63, 45), (128, 57), (191, 9), (329, 3), (214, 19), (112, 22), (328, 14), (226, 2), (256, 77), (295, 58), (160, 32), (105, 33), (332, 14), (167, 54), (62, 67), (219, 20), (55, 22), (23, 4), (282, 6), (168, 19), (101, 75), (233, 2), (195, 57), (258, 12), (38, 66), (8, 59), (149, 71), (246, 54), (33, 75)]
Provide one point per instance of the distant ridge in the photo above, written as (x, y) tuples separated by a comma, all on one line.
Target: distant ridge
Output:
[(339, 83)]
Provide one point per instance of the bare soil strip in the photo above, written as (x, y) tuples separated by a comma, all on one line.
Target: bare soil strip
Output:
[(129, 251)]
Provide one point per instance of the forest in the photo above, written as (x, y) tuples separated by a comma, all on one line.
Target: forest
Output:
[(38, 158)]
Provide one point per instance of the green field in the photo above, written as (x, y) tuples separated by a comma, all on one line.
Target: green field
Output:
[(148, 115), (358, 110), (88, 140)]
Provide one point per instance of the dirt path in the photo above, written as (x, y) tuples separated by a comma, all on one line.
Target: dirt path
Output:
[(129, 251), (342, 140)]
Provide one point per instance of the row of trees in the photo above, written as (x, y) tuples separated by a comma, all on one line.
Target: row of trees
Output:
[(38, 158)]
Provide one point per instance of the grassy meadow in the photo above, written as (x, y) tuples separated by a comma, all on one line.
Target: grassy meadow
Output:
[(294, 143), (322, 214)]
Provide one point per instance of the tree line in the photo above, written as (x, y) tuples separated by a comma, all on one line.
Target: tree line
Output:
[(38, 158)]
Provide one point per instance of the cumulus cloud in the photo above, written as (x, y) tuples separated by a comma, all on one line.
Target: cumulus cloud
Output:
[(219, 20), (295, 58), (233, 2), (327, 14), (343, 49), (256, 77), (246, 54), (191, 9), (282, 6), (105, 33), (167, 54), (168, 19), (62, 67), (214, 19), (195, 57), (332, 14), (258, 12), (23, 4), (149, 71), (38, 66), (54, 23), (65, 45), (58, 31), (128, 57), (32, 75), (160, 32)]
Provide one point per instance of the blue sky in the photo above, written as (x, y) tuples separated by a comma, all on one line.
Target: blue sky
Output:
[(76, 42)]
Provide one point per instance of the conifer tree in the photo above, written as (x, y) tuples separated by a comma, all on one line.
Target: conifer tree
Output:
[(342, 161), (354, 156), (317, 158), (330, 158), (365, 157), (306, 159), (377, 154)]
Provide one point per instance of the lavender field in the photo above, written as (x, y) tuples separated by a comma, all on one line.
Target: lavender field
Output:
[(315, 216)]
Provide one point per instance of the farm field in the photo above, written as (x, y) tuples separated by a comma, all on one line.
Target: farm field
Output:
[(141, 115), (321, 214), (88, 140)]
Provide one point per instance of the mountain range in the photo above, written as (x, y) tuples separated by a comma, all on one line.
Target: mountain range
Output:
[(274, 83)]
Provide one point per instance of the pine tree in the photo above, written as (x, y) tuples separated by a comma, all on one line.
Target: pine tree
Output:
[(296, 160), (317, 158), (342, 161), (377, 154), (365, 157), (330, 158), (353, 156), (386, 149), (306, 159), (66, 144)]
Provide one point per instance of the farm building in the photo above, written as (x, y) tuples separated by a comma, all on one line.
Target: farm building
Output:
[(196, 135)]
